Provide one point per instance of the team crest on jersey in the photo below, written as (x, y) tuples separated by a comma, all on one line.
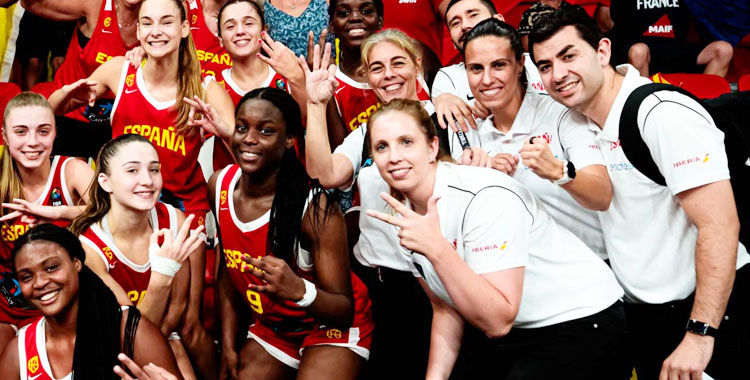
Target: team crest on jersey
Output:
[(333, 334), (223, 197), (55, 197), (194, 19), (107, 22), (130, 79), (201, 221), (280, 84), (107, 252), (33, 364)]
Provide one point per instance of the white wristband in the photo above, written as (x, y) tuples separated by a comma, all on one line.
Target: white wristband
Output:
[(310, 293), (163, 265)]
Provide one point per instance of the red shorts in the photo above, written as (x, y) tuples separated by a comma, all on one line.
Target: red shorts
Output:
[(288, 347)]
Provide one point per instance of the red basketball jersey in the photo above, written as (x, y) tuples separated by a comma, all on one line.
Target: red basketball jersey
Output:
[(135, 111), (236, 93), (356, 101), (13, 308), (214, 59), (32, 352), (238, 239), (104, 44), (132, 277)]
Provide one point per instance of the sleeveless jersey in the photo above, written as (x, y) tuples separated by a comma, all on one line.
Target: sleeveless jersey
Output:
[(356, 101), (32, 353), (238, 239), (104, 44), (213, 58), (135, 111), (273, 80), (13, 308), (132, 277)]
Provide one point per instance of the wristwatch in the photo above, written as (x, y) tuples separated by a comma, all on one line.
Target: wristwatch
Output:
[(701, 328), (569, 174)]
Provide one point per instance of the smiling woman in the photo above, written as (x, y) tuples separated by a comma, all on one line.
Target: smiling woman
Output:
[(83, 328), (310, 314), (487, 253), (35, 188)]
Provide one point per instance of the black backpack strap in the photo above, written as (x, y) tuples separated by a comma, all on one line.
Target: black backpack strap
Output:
[(131, 326), (631, 140)]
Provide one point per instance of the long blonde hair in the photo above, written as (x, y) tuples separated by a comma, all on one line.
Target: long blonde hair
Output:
[(10, 180), (189, 71)]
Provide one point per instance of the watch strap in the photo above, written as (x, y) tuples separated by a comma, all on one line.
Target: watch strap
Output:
[(701, 328)]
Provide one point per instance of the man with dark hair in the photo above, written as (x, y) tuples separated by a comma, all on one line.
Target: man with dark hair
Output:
[(673, 248), (454, 103)]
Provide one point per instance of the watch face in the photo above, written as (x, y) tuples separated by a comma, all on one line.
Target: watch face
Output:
[(571, 170)]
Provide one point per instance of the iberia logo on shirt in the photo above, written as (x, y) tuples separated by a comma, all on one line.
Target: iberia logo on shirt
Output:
[(662, 28)]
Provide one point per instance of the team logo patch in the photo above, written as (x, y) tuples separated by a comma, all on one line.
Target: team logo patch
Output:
[(33, 364), (333, 334), (107, 252), (55, 197), (201, 221), (280, 84), (130, 79), (107, 22), (223, 197), (194, 19)]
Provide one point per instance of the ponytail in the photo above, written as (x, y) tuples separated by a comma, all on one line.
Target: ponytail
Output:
[(99, 200)]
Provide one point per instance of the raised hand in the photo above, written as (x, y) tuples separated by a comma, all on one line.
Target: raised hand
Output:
[(504, 162), (311, 45), (77, 94), (474, 156), (321, 81), (147, 372), (183, 244), (209, 119), (135, 56), (418, 233), (453, 112), (280, 57), (279, 278), (539, 158), (30, 213)]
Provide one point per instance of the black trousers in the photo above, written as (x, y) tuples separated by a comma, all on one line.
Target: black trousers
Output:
[(591, 347), (403, 317), (654, 331)]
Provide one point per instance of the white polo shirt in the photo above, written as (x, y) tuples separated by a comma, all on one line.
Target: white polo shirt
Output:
[(650, 241), (453, 80), (569, 137), (496, 224), (378, 243)]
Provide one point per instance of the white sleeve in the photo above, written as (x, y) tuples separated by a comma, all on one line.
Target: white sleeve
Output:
[(351, 148), (579, 141), (496, 231), (442, 84), (684, 143)]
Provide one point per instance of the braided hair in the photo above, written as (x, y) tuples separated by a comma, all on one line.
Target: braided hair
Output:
[(98, 320), (293, 185)]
